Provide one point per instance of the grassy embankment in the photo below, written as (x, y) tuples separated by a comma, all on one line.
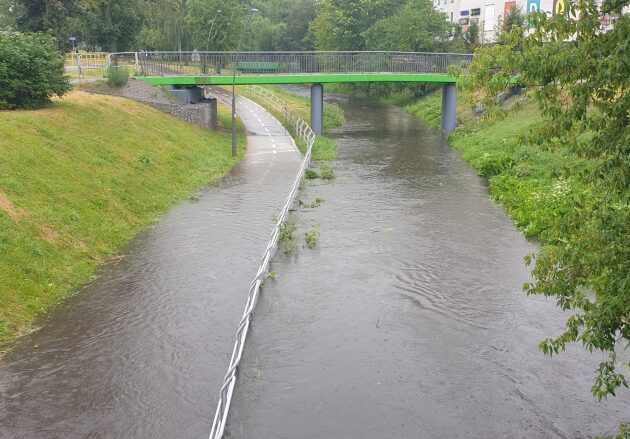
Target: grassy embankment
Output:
[(78, 180), (324, 148), (529, 181)]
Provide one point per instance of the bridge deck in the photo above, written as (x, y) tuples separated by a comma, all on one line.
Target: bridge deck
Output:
[(301, 78)]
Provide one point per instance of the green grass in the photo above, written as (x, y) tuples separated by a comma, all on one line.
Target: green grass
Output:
[(78, 180), (427, 109), (532, 182)]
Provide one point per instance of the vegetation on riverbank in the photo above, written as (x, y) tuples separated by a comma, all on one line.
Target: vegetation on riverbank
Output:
[(577, 76), (531, 181), (78, 180), (537, 185)]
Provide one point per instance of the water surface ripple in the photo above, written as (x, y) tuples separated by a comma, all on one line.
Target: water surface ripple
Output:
[(408, 319)]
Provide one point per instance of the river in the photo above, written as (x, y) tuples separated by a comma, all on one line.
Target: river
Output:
[(406, 321)]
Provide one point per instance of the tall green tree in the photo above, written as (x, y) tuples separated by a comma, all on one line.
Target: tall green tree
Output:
[(225, 30), (340, 24), (283, 24), (416, 27), (514, 18), (46, 16), (165, 26), (109, 25), (579, 75)]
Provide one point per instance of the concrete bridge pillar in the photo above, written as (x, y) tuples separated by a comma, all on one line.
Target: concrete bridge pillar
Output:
[(449, 108), (317, 108)]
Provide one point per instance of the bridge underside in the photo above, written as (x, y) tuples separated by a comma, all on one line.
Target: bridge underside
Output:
[(303, 78), (316, 80)]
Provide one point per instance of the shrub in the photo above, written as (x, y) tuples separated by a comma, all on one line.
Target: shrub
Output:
[(31, 70), (117, 76), (333, 115), (324, 149), (310, 174), (328, 173), (493, 164), (311, 237)]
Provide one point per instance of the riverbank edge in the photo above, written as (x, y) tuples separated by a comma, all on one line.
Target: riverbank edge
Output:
[(530, 182), (81, 260)]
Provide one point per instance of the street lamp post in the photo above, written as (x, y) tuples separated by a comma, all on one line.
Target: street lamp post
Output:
[(205, 58), (234, 67), (210, 31)]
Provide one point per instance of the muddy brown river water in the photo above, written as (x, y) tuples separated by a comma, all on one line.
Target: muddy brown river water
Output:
[(406, 321)]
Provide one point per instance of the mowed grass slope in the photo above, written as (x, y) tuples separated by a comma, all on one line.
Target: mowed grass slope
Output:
[(77, 181)]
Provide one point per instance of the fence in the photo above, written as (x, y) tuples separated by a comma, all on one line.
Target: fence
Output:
[(306, 134), (95, 64), (224, 63)]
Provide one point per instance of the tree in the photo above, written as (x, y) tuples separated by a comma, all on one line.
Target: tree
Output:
[(340, 24), (225, 31), (580, 78), (46, 15), (513, 18), (283, 24), (472, 36), (31, 70), (416, 27), (165, 26), (110, 25)]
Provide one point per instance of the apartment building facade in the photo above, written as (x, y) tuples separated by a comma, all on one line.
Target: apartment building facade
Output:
[(488, 14)]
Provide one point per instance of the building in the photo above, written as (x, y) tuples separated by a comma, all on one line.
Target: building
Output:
[(488, 14)]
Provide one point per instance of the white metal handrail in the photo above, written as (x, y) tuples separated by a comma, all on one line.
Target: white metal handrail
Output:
[(305, 133)]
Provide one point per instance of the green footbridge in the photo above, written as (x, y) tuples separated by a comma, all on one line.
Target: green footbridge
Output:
[(198, 69)]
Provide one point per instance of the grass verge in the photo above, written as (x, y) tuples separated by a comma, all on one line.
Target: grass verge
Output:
[(78, 180)]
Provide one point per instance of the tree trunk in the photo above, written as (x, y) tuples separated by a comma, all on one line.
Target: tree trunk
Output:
[(109, 23)]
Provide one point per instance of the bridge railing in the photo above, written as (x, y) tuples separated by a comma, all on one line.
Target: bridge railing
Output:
[(224, 63)]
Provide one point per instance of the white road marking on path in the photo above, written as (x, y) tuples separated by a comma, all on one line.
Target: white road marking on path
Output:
[(267, 152)]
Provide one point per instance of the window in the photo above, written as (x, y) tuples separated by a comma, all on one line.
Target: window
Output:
[(488, 18), (463, 13), (463, 21), (475, 12)]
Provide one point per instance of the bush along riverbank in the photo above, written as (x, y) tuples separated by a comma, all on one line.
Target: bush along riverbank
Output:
[(78, 180), (532, 182)]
